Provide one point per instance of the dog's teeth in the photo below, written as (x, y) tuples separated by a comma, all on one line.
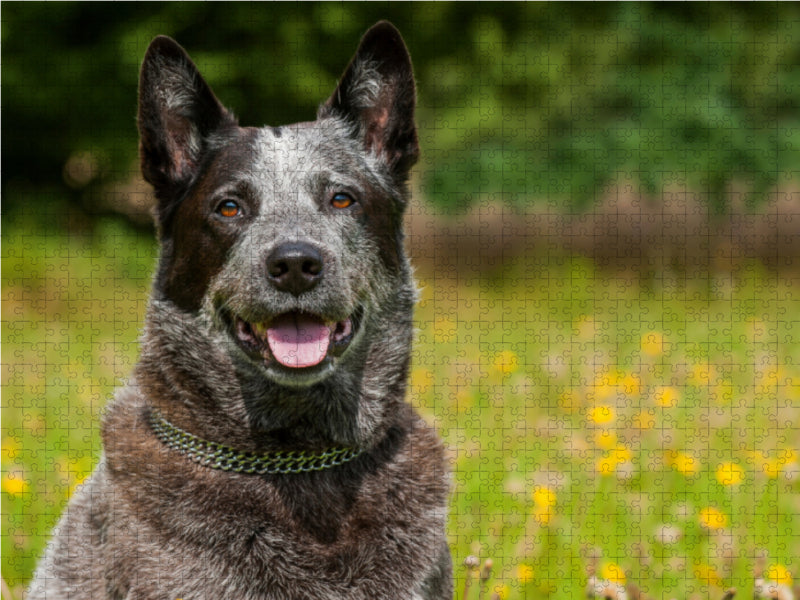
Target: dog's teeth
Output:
[(347, 328), (241, 328)]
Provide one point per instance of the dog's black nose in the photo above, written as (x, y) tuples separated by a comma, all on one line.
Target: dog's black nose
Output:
[(294, 267)]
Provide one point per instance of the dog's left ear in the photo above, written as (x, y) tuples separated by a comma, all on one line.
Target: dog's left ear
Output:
[(377, 95)]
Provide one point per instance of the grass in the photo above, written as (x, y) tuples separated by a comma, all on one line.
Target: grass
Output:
[(658, 427), (645, 434)]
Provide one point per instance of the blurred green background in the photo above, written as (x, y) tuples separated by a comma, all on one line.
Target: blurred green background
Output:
[(519, 102), (606, 230)]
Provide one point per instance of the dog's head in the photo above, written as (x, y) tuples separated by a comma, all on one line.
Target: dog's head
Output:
[(283, 246)]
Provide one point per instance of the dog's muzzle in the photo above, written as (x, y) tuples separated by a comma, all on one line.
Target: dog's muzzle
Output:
[(295, 347)]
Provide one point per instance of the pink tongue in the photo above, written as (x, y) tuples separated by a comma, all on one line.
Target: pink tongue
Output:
[(298, 341)]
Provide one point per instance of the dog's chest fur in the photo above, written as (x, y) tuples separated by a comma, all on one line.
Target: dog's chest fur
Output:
[(366, 532)]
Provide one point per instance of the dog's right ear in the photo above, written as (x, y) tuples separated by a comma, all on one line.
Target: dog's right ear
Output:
[(178, 113)]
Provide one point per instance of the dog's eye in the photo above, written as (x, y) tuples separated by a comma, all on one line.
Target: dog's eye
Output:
[(341, 200), (228, 209)]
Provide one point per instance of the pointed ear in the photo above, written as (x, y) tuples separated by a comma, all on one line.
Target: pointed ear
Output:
[(378, 96), (178, 113)]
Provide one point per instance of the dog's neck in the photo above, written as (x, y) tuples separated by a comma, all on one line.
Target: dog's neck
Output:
[(225, 401)]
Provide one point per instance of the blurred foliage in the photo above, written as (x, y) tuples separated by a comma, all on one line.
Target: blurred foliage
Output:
[(518, 102)]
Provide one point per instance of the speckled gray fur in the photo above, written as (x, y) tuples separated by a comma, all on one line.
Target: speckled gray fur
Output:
[(149, 523)]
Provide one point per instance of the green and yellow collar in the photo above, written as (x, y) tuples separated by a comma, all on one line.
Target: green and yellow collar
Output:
[(217, 456)]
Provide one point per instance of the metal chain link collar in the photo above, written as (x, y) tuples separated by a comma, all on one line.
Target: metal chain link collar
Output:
[(217, 456)]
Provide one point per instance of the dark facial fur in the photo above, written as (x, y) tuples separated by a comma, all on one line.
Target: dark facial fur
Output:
[(213, 274), (267, 233)]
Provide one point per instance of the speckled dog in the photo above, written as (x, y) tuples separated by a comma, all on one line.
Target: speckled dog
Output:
[(263, 448)]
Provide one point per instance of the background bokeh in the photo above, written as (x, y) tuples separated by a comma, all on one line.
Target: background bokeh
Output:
[(606, 228), (521, 102)]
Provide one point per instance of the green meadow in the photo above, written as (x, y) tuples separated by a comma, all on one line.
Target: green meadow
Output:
[(642, 433)]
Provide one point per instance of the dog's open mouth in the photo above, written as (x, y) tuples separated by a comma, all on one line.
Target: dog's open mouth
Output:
[(296, 340)]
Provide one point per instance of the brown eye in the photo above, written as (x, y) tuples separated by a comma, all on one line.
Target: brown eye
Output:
[(341, 201), (229, 209)]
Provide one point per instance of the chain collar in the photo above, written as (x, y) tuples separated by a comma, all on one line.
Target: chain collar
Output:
[(217, 456)]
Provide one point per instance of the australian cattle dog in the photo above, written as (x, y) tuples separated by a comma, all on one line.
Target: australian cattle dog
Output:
[(263, 447)]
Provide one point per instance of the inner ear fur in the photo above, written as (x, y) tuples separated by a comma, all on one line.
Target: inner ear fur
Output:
[(178, 115), (377, 95)]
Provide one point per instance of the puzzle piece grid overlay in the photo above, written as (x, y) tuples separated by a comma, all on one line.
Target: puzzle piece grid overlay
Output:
[(618, 389)]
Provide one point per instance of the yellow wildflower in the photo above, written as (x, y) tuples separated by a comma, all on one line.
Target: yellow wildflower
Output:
[(644, 420), (613, 572), (421, 380), (601, 414), (755, 456), (606, 384), (76, 484), (621, 453), (544, 500), (610, 378), (606, 465), (630, 384), (707, 574), (702, 375), (666, 397), (14, 484), (713, 519), (779, 574), (524, 574), (730, 473), (506, 362), (543, 496), (653, 343), (684, 463)]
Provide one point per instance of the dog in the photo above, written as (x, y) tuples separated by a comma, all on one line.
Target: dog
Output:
[(263, 447)]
